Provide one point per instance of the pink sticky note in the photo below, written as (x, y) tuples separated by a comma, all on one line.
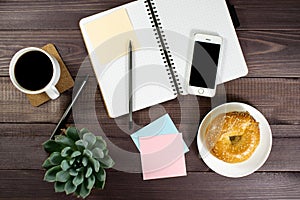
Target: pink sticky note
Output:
[(162, 156)]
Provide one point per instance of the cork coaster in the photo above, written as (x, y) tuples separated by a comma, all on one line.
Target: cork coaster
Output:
[(65, 82)]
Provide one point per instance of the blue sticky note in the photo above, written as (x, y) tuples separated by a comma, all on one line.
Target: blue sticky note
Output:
[(161, 126)]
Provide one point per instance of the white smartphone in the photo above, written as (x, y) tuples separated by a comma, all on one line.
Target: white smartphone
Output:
[(206, 60)]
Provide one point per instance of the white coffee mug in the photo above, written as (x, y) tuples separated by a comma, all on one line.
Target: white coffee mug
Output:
[(50, 88)]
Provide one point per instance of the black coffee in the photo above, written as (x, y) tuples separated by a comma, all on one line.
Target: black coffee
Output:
[(33, 70)]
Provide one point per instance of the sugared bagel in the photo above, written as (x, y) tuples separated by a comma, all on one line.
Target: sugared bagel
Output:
[(233, 137)]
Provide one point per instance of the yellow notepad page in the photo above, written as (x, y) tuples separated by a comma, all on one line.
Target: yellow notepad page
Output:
[(110, 35)]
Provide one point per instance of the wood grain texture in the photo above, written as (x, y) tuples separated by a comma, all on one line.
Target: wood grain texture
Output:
[(270, 39), (288, 4), (208, 186), (121, 130), (21, 147), (50, 14), (271, 53), (276, 98), (66, 14), (268, 53), (69, 44), (15, 106)]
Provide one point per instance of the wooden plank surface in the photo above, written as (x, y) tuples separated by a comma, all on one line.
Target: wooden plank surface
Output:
[(66, 14), (21, 147), (69, 44), (270, 39), (276, 98), (271, 53), (267, 53), (50, 14), (206, 186)]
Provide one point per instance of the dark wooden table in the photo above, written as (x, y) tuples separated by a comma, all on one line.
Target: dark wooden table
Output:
[(270, 38)]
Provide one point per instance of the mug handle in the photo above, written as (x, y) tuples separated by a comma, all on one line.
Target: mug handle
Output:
[(52, 92)]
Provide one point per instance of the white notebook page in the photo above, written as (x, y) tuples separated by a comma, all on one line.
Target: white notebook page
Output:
[(181, 19), (151, 84)]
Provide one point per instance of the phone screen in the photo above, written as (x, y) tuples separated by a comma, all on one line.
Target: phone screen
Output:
[(204, 65)]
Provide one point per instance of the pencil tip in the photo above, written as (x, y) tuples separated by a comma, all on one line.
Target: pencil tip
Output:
[(130, 43)]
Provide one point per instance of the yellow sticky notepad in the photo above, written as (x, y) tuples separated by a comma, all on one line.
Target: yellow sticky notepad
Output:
[(110, 35)]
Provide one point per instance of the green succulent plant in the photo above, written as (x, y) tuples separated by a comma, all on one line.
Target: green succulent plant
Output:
[(77, 161)]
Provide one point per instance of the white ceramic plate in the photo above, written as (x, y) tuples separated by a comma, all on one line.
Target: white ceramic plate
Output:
[(257, 159)]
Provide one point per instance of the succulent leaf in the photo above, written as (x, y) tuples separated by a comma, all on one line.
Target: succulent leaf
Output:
[(64, 140), (62, 176), (75, 154), (65, 165), (59, 186), (69, 187), (81, 145), (90, 182), (52, 146), (67, 151), (55, 158), (73, 172), (84, 192), (84, 161), (98, 153), (95, 163), (105, 151), (87, 153), (50, 175), (71, 161), (100, 143), (99, 184), (101, 175), (107, 162), (72, 133), (81, 169), (47, 164), (82, 132), (89, 171), (78, 179), (90, 138)]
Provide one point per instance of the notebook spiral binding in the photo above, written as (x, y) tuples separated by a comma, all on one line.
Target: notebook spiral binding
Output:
[(163, 45)]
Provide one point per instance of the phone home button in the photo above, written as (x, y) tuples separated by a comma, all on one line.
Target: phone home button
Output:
[(200, 91)]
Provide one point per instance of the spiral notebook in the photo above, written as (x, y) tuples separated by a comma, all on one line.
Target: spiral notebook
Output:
[(162, 33)]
